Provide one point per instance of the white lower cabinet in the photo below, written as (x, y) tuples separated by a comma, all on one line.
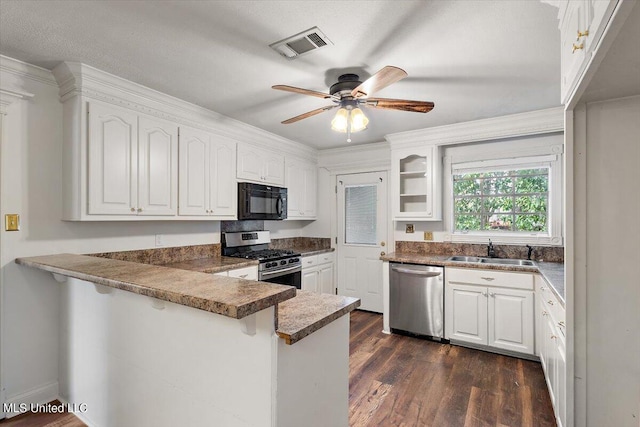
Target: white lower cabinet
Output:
[(551, 347), (499, 316), (247, 273), (318, 273)]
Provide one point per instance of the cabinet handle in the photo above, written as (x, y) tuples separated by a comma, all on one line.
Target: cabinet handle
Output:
[(133, 209), (544, 313), (484, 294), (542, 288), (139, 209), (550, 302), (488, 278), (242, 276), (561, 324), (577, 47), (553, 337), (581, 34), (491, 294)]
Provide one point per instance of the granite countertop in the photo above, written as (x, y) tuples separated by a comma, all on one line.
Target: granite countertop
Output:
[(309, 252), (308, 312), (228, 296), (553, 272), (213, 264)]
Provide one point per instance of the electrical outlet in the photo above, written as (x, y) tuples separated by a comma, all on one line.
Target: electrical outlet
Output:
[(12, 222), (428, 235), (409, 228), (158, 239)]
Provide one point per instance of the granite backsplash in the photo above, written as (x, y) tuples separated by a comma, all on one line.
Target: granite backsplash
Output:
[(540, 253), (157, 256), (308, 244)]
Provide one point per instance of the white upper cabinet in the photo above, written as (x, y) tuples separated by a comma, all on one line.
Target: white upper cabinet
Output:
[(302, 192), (582, 24), (415, 184), (157, 167), (260, 166), (132, 163), (207, 175)]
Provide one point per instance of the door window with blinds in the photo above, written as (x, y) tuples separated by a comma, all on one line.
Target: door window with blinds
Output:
[(360, 215)]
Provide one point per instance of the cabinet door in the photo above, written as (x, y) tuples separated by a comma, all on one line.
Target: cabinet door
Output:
[(511, 320), (325, 279), (561, 386), (248, 273), (310, 191), (223, 192), (295, 189), (157, 167), (274, 169), (572, 59), (466, 314), (113, 160), (250, 163), (194, 172), (310, 279)]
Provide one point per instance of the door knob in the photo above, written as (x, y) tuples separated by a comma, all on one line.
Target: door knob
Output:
[(382, 253)]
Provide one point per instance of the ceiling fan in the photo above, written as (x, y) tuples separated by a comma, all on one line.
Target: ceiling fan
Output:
[(349, 93)]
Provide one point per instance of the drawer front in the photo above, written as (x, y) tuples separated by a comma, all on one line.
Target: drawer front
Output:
[(222, 273), (309, 261), (490, 278), (326, 258), (248, 273)]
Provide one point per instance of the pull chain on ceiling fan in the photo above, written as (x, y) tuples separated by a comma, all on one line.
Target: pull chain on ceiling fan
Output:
[(349, 93)]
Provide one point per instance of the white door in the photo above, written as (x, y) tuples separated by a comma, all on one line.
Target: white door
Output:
[(511, 320), (325, 279), (362, 236), (157, 167), (223, 187), (194, 172), (466, 314), (113, 163)]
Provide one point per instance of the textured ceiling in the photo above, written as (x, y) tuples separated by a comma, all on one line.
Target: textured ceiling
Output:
[(474, 59)]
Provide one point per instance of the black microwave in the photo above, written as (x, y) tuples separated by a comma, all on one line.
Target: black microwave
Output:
[(257, 201)]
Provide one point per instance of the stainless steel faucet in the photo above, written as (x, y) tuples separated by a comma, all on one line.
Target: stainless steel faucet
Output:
[(491, 252)]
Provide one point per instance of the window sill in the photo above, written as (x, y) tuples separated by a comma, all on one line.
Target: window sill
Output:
[(513, 238)]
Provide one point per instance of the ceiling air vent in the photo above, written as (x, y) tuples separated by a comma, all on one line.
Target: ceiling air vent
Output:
[(301, 43)]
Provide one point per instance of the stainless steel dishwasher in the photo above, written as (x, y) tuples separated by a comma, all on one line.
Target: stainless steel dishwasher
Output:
[(416, 299)]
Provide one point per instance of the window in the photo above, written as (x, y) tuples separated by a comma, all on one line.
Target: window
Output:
[(513, 200), (361, 215)]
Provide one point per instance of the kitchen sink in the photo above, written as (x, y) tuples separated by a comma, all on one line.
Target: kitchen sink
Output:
[(464, 258), (483, 260), (506, 261)]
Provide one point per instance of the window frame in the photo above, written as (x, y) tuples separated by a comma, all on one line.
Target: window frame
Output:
[(500, 156)]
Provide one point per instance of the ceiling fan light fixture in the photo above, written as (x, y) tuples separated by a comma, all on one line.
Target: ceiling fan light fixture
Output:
[(358, 120), (340, 120)]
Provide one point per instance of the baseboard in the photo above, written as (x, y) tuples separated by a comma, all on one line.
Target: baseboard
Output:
[(78, 414), (38, 395)]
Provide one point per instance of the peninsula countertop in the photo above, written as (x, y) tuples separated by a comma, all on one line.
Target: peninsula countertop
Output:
[(228, 296), (553, 272)]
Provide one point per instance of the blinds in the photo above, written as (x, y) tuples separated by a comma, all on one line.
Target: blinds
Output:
[(361, 215)]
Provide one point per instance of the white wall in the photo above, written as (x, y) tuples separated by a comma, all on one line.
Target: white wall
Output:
[(31, 187), (606, 292)]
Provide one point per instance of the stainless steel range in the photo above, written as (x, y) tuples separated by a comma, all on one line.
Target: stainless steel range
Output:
[(281, 266)]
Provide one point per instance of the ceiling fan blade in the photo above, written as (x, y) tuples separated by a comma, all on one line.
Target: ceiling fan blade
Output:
[(400, 104), (302, 91), (308, 114), (383, 78)]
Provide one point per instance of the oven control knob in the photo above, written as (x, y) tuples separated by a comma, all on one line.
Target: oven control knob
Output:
[(296, 259), (291, 260), (283, 262), (268, 264)]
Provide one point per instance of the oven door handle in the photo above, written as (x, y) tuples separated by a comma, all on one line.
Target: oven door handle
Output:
[(285, 270)]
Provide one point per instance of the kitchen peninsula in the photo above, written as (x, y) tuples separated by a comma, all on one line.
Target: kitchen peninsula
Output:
[(192, 348)]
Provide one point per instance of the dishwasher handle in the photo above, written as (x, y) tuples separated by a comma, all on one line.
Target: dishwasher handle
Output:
[(416, 272)]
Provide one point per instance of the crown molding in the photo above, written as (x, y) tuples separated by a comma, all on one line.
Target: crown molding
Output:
[(9, 96), (515, 125), (77, 79), (25, 70)]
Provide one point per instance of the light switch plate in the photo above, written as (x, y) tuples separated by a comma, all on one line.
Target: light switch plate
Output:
[(428, 235), (409, 228), (12, 222)]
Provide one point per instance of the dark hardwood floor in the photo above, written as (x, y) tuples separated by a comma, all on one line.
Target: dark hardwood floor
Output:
[(402, 381), (396, 380)]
